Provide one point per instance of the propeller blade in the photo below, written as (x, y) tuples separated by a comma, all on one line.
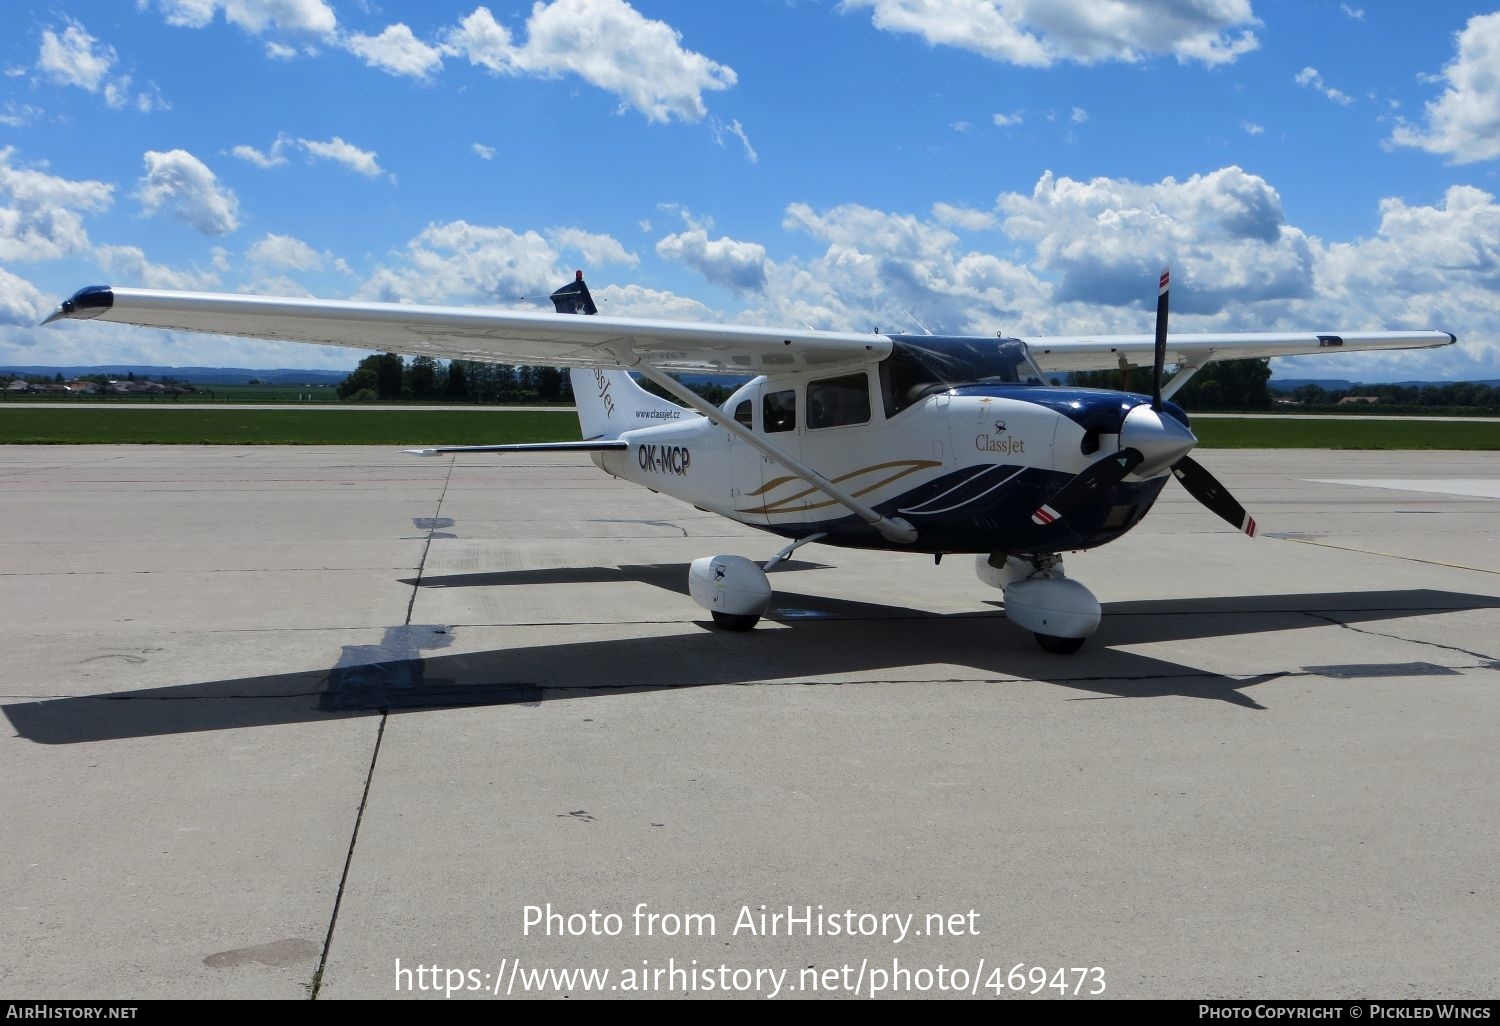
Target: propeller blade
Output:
[(1204, 487), (1159, 363), (1101, 474)]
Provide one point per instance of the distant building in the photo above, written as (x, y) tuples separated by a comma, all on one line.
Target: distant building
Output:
[(1359, 400)]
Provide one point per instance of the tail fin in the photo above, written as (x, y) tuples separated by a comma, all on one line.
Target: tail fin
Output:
[(574, 298), (609, 401)]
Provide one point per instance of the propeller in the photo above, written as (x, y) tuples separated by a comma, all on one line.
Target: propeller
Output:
[(1159, 358), (1163, 437), (1099, 476), (1204, 487)]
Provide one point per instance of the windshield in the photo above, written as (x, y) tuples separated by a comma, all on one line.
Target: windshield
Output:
[(920, 365)]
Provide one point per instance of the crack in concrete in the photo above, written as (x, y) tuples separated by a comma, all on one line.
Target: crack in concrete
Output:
[(1396, 637), (385, 715), (1387, 555)]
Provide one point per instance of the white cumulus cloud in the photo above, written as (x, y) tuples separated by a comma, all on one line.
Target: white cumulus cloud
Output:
[(962, 217), (639, 301), (1225, 234), (75, 58), (21, 302), (1039, 33), (128, 265), (607, 43), (264, 159), (254, 16), (483, 152), (181, 185), (1464, 123), (740, 266), (360, 161), (42, 215), (459, 262), (397, 51), (595, 249), (350, 156), (286, 252)]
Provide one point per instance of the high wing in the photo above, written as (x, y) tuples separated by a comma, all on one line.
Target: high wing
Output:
[(477, 333), (1103, 352), (529, 337)]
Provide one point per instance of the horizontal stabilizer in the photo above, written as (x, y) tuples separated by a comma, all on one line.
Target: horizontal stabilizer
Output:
[(604, 446)]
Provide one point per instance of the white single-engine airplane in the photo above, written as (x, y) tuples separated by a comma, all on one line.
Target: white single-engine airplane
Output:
[(920, 443)]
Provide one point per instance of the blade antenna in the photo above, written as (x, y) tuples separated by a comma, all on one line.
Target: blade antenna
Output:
[(1159, 361)]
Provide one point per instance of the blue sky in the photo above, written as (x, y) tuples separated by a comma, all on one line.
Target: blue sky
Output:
[(1022, 166)]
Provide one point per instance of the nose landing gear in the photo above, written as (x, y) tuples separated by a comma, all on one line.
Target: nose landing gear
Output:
[(1060, 611)]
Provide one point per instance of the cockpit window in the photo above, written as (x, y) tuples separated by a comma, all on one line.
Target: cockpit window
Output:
[(921, 365), (836, 402)]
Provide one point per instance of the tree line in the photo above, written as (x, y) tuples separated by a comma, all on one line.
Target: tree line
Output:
[(1245, 385), (1222, 385), (1226, 385), (386, 376)]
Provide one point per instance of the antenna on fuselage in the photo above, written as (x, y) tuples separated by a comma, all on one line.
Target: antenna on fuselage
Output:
[(925, 329)]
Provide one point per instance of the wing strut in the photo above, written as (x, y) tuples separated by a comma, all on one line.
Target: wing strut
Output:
[(892, 529)]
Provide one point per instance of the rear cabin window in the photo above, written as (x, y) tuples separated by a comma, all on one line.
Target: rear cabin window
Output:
[(778, 411), (836, 402)]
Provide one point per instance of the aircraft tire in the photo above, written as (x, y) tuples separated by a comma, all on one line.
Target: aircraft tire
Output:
[(731, 622), (1056, 645)]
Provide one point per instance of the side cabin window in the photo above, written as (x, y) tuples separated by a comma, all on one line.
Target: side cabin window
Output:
[(743, 413), (836, 402), (778, 411)]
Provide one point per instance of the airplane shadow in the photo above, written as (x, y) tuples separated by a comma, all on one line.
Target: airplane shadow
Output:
[(847, 641)]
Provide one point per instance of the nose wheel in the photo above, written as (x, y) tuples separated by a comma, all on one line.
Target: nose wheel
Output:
[(1059, 646), (1057, 610)]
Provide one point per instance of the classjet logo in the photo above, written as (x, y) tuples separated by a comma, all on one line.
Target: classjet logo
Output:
[(602, 381), (664, 459), (1001, 441)]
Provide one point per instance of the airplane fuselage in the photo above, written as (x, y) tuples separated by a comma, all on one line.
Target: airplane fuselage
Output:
[(965, 466)]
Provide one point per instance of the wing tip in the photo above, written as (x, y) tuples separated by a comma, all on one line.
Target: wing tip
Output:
[(89, 301)]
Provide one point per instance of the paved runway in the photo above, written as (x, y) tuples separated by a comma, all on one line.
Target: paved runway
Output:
[(277, 718)]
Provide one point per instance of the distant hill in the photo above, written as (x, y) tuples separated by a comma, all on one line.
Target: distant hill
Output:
[(288, 376), (193, 375), (1341, 385)]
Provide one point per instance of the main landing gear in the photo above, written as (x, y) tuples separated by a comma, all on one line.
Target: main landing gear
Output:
[(1061, 612), (734, 589)]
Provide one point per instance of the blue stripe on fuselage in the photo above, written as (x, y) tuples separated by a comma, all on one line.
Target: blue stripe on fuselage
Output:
[(993, 520)]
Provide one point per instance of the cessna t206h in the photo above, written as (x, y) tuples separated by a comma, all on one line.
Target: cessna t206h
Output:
[(922, 443)]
